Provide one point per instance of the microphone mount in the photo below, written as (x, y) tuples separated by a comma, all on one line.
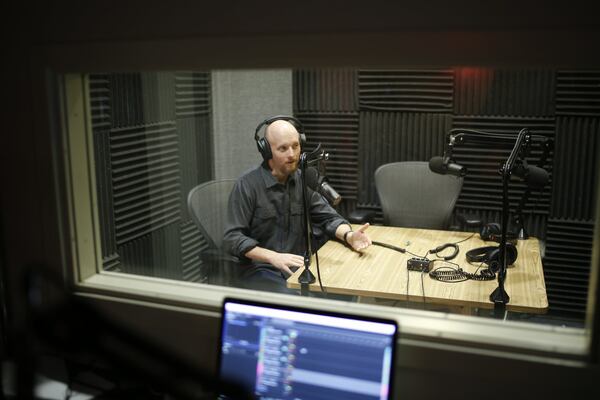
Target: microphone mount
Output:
[(308, 159), (315, 156), (307, 277), (515, 164), (499, 296)]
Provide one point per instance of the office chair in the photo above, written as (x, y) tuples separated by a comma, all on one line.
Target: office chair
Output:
[(207, 204), (413, 196)]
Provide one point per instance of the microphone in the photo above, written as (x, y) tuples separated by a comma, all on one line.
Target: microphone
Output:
[(443, 166), (534, 176), (321, 185)]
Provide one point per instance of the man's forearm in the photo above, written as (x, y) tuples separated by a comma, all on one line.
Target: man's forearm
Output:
[(341, 230), (260, 254)]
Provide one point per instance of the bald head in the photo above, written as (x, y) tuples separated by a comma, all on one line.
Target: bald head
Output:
[(279, 128)]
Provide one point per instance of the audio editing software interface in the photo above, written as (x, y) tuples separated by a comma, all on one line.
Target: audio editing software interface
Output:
[(283, 354)]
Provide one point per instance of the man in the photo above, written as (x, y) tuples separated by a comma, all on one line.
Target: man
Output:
[(265, 215)]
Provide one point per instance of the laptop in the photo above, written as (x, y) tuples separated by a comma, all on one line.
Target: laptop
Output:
[(282, 352)]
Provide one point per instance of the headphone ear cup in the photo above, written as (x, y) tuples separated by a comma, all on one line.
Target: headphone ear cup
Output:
[(302, 141), (491, 259), (490, 231), (511, 253), (493, 256), (264, 148)]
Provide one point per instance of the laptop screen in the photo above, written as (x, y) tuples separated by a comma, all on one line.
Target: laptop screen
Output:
[(282, 352)]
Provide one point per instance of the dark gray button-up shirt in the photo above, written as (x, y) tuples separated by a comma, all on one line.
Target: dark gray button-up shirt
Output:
[(263, 212)]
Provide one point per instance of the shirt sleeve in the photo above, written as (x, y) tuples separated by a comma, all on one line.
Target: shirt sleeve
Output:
[(239, 215), (324, 214)]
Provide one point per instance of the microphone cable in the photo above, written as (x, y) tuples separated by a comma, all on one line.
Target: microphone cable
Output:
[(464, 240), (448, 276), (408, 271), (396, 248), (457, 274), (319, 273), (444, 246), (403, 250), (317, 261)]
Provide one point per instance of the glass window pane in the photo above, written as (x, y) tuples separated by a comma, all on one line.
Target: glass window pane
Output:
[(159, 136)]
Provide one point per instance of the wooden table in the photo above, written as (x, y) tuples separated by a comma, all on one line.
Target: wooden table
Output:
[(382, 273)]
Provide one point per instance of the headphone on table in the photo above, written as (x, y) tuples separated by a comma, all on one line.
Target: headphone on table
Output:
[(490, 255), (264, 148), (493, 232)]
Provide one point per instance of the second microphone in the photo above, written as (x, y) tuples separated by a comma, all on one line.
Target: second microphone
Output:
[(443, 165)]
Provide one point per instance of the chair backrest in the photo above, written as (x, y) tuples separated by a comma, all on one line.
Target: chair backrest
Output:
[(413, 196), (207, 204)]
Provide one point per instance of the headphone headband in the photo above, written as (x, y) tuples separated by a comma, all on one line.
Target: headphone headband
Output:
[(493, 232), (296, 122), (490, 255)]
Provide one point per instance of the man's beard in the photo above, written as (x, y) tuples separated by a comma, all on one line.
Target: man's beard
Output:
[(292, 167)]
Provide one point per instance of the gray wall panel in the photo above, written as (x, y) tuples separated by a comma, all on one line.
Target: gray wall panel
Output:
[(422, 90), (100, 109), (158, 94), (386, 137), (241, 100), (104, 191), (192, 244), (338, 135), (195, 154), (493, 91), (567, 264), (100, 101), (146, 179), (578, 93), (576, 167), (192, 94), (155, 254), (142, 98), (325, 90)]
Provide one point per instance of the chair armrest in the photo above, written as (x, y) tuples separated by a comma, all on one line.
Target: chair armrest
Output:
[(361, 216), (221, 268), (466, 222)]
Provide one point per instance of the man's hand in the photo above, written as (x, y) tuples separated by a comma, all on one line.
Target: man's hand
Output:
[(359, 239), (283, 262)]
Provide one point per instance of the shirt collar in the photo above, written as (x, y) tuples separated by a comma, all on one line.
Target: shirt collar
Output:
[(270, 180)]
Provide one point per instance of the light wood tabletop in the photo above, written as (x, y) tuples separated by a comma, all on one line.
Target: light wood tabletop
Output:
[(379, 272)]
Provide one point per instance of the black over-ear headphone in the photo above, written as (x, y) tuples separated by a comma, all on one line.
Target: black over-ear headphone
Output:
[(490, 255), (264, 148), (493, 232)]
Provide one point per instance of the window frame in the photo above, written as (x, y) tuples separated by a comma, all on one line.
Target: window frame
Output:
[(531, 340), (80, 239)]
